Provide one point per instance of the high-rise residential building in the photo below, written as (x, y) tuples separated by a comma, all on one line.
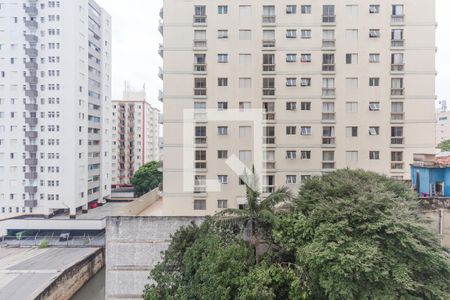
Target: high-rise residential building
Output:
[(442, 126), (135, 128), (55, 106), (340, 84)]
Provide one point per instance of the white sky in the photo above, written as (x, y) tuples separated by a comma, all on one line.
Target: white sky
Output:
[(136, 38)]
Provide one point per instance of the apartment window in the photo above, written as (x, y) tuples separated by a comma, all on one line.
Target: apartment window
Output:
[(306, 9), (291, 33), (222, 9), (268, 14), (245, 10), (245, 131), (305, 106), (199, 204), (397, 87), (290, 82), (200, 14), (305, 130), (374, 130), (268, 62), (374, 155), (397, 160), (328, 62), (305, 82), (351, 156), (328, 38), (245, 35), (328, 14), (222, 58), (268, 155), (291, 9), (397, 112), (245, 83), (397, 38), (374, 33), (291, 57), (222, 105), (222, 154), (328, 160), (374, 106), (200, 86), (351, 131), (245, 155), (351, 58), (374, 81), (200, 155), (245, 106), (291, 179), (222, 81), (222, 204), (397, 13), (352, 10), (374, 57), (397, 62), (222, 33), (291, 154), (351, 107), (351, 83), (245, 59), (351, 34), (291, 130), (306, 33), (222, 130), (397, 135), (305, 154), (292, 106), (305, 58), (374, 9), (268, 86), (223, 179)]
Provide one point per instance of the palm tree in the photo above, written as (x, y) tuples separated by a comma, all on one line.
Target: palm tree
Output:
[(259, 216)]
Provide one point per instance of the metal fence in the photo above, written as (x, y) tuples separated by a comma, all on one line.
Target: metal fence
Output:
[(44, 241)]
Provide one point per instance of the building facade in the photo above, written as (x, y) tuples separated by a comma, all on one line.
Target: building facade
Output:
[(442, 126), (55, 106), (338, 83), (135, 136)]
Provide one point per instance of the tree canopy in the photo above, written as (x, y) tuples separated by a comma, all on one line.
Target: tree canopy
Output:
[(444, 146), (147, 178), (349, 235)]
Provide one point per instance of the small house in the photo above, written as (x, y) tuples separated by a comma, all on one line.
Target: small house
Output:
[(430, 175)]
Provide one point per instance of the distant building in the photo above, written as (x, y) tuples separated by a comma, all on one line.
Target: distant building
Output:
[(430, 174), (135, 130), (55, 106), (442, 126)]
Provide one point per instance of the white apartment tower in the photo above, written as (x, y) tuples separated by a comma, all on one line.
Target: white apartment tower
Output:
[(135, 128), (339, 84), (55, 106)]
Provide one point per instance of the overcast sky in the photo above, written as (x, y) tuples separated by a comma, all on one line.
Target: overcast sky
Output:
[(136, 38)]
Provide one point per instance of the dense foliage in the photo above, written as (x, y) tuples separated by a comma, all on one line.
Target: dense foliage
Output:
[(147, 178), (444, 146), (348, 235)]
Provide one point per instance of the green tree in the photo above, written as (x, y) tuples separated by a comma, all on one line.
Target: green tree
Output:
[(444, 146), (147, 178), (359, 236)]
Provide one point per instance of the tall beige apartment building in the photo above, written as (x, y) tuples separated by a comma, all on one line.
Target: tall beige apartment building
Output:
[(336, 83), (442, 126), (135, 135)]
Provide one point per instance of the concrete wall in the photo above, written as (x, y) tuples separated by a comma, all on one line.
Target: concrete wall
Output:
[(133, 248)]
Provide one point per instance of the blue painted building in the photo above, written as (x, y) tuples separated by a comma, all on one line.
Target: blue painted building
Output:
[(431, 178)]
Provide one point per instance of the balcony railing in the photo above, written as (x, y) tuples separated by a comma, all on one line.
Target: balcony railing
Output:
[(397, 116), (199, 91), (398, 67), (200, 140), (199, 67), (199, 20), (397, 18), (329, 19), (328, 117), (268, 189), (200, 43), (397, 92), (269, 19), (268, 67), (268, 43), (328, 92), (397, 140), (397, 43), (270, 165), (396, 165), (328, 67), (329, 140), (328, 165), (268, 91), (269, 140), (328, 43), (269, 116), (200, 165)]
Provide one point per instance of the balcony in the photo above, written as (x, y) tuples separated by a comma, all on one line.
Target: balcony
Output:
[(30, 203), (200, 68), (268, 92), (329, 43), (200, 166), (200, 140), (329, 141), (31, 107), (328, 68), (397, 165), (200, 44), (269, 20), (397, 117), (199, 20), (31, 52), (268, 67), (268, 189), (268, 43), (161, 73), (31, 79), (31, 11), (397, 67), (397, 140), (200, 92), (161, 50), (160, 96), (269, 140), (328, 93), (269, 116), (31, 24), (31, 134), (31, 121), (397, 19), (31, 38), (397, 93), (329, 20), (31, 175), (328, 165), (397, 43), (31, 148), (31, 162), (161, 27), (270, 165), (328, 117), (31, 189)]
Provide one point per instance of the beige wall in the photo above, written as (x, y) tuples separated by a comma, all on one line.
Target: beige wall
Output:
[(419, 81)]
